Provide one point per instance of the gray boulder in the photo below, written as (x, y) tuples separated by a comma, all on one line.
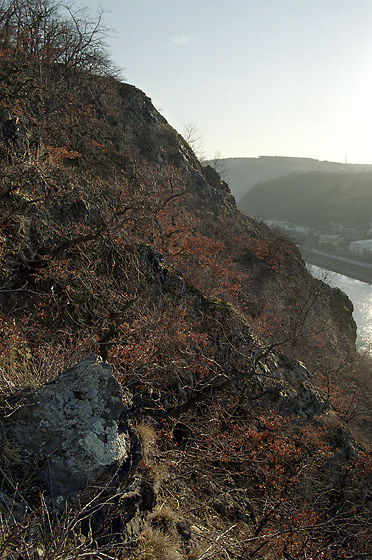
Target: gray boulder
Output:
[(78, 426), (288, 384)]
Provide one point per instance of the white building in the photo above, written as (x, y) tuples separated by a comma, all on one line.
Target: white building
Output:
[(363, 247)]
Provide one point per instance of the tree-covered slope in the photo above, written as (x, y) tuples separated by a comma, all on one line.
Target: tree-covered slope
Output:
[(313, 199), (244, 173)]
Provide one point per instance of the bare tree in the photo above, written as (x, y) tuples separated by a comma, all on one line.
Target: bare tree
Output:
[(36, 31), (39, 43), (219, 165), (193, 137)]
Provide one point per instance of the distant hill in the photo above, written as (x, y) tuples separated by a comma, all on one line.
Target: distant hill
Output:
[(313, 199), (243, 173)]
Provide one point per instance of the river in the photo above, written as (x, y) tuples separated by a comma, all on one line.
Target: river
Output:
[(360, 294)]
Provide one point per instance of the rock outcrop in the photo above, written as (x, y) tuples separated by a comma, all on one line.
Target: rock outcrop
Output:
[(78, 430)]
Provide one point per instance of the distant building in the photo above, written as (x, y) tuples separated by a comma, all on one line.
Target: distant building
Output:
[(329, 239), (282, 224), (363, 247), (302, 229)]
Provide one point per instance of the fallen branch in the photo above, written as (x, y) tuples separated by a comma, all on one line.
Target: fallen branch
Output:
[(213, 545)]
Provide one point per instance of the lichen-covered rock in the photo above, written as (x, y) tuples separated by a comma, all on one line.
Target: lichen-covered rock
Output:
[(78, 425), (289, 384)]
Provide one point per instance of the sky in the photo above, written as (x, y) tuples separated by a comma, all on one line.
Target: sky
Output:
[(252, 77)]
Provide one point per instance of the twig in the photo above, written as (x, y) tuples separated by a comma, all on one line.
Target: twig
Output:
[(14, 488), (213, 545), (99, 555)]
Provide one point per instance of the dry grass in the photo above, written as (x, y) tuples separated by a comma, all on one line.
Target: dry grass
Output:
[(21, 370), (147, 435), (156, 545)]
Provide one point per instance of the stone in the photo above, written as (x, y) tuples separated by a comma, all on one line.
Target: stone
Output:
[(12, 130), (77, 425), (11, 510), (288, 384)]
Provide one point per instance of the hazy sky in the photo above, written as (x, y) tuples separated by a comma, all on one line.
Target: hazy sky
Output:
[(256, 77)]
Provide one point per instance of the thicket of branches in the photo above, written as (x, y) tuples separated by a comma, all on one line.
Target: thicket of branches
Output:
[(48, 54), (35, 33)]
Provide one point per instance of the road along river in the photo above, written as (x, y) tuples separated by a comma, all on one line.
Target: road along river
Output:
[(345, 266)]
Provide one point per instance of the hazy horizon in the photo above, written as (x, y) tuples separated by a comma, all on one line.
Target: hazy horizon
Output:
[(284, 156), (286, 78)]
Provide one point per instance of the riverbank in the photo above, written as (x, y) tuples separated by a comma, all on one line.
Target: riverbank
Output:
[(347, 267)]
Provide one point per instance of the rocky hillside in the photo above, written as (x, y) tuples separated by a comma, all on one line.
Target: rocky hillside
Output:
[(174, 383)]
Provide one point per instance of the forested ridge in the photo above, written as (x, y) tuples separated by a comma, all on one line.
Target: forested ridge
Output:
[(116, 242), (313, 199), (244, 173)]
